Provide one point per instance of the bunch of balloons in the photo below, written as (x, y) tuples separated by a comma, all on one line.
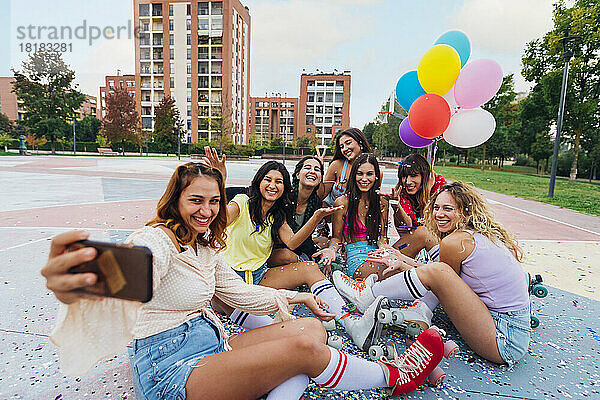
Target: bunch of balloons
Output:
[(443, 96)]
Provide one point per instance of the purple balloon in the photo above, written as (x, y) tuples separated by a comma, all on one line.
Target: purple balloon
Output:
[(410, 138)]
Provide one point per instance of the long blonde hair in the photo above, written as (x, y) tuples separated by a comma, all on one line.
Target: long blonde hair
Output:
[(474, 214)]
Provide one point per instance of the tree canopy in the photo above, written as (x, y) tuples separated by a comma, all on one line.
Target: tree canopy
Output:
[(121, 122)]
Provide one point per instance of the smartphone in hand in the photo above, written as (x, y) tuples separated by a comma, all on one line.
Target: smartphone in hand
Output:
[(124, 271)]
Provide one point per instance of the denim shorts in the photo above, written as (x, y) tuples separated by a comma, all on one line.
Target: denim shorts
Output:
[(162, 363), (257, 274), (513, 333), (356, 254)]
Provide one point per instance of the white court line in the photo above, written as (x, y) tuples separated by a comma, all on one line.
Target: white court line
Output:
[(556, 241), (543, 216), (67, 228), (80, 204), (25, 244)]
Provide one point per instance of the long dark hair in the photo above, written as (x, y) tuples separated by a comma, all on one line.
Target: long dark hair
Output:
[(278, 212), (355, 134), (373, 219), (314, 201), (167, 210), (416, 164)]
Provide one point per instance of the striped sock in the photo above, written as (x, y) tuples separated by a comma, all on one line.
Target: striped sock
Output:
[(347, 372), (291, 389), (329, 294), (249, 321), (404, 286)]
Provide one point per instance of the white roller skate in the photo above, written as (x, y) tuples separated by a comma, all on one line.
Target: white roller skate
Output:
[(357, 292)]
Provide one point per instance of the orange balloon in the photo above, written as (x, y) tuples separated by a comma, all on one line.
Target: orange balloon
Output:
[(429, 116)]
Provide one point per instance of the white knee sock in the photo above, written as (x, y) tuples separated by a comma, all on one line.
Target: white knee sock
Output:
[(329, 294), (431, 300), (292, 389), (403, 286), (249, 321), (347, 372)]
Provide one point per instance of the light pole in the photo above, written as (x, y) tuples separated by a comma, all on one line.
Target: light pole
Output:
[(567, 54), (74, 151), (179, 129), (284, 137)]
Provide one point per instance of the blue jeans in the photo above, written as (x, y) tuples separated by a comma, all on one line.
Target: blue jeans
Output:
[(162, 363), (513, 333), (356, 254), (257, 274)]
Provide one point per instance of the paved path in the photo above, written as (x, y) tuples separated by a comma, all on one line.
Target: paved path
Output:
[(113, 196)]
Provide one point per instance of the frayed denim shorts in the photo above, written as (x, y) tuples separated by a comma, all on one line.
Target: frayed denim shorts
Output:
[(356, 254), (162, 363), (513, 333), (257, 274)]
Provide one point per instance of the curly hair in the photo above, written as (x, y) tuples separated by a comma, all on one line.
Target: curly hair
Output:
[(474, 214), (373, 219), (314, 201), (355, 134), (167, 210), (278, 213), (416, 164)]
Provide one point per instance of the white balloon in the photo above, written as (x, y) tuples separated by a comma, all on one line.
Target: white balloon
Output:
[(449, 97), (470, 128)]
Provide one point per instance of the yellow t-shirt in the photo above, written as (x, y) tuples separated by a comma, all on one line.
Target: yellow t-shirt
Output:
[(247, 249)]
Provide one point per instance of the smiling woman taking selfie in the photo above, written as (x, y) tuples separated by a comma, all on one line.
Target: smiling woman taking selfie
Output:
[(179, 349)]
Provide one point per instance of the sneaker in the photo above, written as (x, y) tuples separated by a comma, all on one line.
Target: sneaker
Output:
[(365, 330), (408, 371), (420, 313), (356, 291)]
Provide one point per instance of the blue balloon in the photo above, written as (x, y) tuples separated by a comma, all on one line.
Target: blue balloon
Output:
[(408, 89), (460, 42)]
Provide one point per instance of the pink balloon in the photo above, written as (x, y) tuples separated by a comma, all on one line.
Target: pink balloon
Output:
[(477, 83)]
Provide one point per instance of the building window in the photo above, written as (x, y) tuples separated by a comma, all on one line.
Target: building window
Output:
[(147, 122), (203, 25), (189, 9), (329, 97), (144, 10), (172, 54), (216, 24), (319, 97), (172, 82), (189, 54), (170, 10), (310, 120), (189, 39), (188, 24), (171, 39), (339, 97), (339, 84), (311, 98), (189, 82), (310, 83), (157, 10), (171, 25), (216, 8), (203, 8)]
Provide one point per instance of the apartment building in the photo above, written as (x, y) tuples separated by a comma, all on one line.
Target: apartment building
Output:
[(324, 106), (272, 117), (12, 107), (125, 82), (198, 52)]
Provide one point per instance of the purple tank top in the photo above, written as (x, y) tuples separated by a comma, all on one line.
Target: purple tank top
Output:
[(495, 275)]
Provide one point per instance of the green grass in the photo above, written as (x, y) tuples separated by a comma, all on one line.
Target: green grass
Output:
[(579, 196)]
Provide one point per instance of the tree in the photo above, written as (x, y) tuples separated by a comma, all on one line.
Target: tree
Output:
[(166, 132), (45, 87), (87, 128), (34, 141), (541, 149), (6, 125), (5, 140), (543, 63), (536, 118), (122, 121)]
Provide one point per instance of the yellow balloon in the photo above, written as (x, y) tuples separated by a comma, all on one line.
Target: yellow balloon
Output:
[(438, 69)]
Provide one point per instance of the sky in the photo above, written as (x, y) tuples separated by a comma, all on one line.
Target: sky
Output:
[(377, 40)]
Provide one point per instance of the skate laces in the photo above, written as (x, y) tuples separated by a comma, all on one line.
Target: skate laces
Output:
[(357, 284), (414, 360)]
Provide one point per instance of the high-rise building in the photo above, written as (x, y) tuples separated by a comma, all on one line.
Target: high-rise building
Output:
[(324, 106), (198, 52), (88, 107), (272, 117), (112, 82)]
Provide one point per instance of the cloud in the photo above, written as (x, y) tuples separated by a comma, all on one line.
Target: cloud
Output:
[(303, 31), (504, 25)]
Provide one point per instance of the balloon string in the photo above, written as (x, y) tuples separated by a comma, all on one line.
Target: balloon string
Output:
[(434, 153)]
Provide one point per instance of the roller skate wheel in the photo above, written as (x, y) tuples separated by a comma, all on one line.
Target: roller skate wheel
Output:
[(334, 341), (436, 377), (376, 352), (397, 317), (384, 316), (329, 325), (413, 330), (450, 349), (534, 322), (540, 291)]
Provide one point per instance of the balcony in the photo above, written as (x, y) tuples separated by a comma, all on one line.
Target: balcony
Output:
[(158, 71), (157, 27)]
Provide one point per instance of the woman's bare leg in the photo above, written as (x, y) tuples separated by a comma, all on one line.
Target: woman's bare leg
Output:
[(466, 310), (292, 275), (367, 268), (282, 257), (417, 239)]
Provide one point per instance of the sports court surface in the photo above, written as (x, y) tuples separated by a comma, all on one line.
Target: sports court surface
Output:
[(110, 197)]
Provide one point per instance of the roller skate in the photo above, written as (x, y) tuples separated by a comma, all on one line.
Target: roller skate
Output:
[(358, 292), (437, 375), (538, 290), (365, 330), (333, 340), (405, 372)]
